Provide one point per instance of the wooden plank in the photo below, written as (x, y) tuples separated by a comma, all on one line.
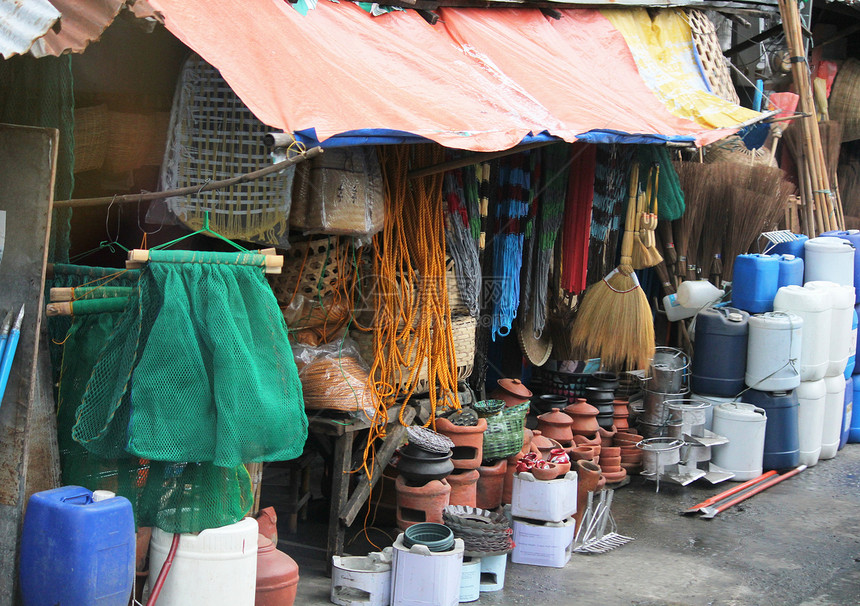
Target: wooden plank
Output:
[(383, 456), (28, 158), (341, 466)]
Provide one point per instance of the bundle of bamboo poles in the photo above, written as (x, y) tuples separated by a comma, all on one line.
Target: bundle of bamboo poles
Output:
[(820, 201)]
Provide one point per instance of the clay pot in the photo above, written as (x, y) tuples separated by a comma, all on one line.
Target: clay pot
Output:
[(581, 453), (468, 442), (588, 477), (597, 396), (528, 434), (419, 469), (267, 524), (614, 476), (621, 422), (545, 473), (423, 503), (556, 426), (608, 464), (543, 445), (629, 436), (512, 391), (548, 401), (610, 451), (277, 575), (491, 484), (144, 535), (584, 417), (464, 487), (606, 435), (562, 469)]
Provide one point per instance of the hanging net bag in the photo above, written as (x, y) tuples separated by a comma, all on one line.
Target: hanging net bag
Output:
[(198, 369)]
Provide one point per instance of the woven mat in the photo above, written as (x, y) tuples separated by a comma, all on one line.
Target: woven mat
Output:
[(714, 63), (213, 136)]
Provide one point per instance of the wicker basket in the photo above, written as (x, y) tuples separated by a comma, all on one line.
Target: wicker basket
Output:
[(504, 434), (91, 137), (844, 99), (311, 269), (455, 300), (463, 331), (338, 384)]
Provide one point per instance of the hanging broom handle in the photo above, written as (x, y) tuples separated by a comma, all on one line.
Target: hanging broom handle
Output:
[(630, 220), (760, 487)]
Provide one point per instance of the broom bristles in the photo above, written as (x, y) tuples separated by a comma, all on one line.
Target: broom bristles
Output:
[(614, 323)]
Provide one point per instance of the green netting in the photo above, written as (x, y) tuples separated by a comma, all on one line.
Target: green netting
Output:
[(199, 369), (177, 497)]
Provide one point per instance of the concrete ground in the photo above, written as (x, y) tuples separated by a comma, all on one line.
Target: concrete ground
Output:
[(797, 543)]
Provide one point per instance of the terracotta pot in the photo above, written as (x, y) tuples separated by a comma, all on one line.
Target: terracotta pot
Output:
[(543, 445), (528, 434), (609, 462), (581, 453), (606, 436), (512, 391), (626, 435), (556, 426), (610, 451), (614, 476), (277, 576), (545, 473), (601, 484), (464, 487), (420, 503), (468, 442), (621, 422), (562, 469), (588, 477), (584, 417), (510, 470), (267, 524), (491, 484)]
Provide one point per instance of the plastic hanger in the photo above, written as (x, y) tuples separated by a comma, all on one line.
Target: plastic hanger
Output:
[(203, 230)]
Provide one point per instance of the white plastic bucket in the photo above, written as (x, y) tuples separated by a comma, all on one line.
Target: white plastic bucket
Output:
[(773, 351), (216, 567), (810, 420), (744, 425), (834, 405), (829, 259), (814, 307), (841, 320)]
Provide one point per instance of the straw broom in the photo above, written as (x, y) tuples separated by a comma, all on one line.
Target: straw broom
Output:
[(614, 320)]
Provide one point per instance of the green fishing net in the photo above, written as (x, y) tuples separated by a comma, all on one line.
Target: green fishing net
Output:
[(198, 369)]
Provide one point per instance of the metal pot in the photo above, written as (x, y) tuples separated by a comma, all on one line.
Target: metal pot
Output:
[(658, 453)]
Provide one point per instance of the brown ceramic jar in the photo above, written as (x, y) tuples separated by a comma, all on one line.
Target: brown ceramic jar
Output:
[(512, 391), (556, 425), (584, 417)]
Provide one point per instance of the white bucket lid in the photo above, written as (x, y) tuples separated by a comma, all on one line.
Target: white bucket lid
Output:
[(741, 411), (828, 245), (796, 298)]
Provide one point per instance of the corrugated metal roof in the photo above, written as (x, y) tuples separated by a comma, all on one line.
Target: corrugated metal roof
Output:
[(83, 22), (22, 22)]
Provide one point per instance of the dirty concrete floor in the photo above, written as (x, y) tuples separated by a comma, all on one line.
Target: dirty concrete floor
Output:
[(797, 543)]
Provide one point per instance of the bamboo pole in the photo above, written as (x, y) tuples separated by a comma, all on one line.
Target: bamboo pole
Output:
[(811, 137), (184, 191)]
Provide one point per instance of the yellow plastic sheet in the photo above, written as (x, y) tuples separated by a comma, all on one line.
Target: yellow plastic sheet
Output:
[(663, 50)]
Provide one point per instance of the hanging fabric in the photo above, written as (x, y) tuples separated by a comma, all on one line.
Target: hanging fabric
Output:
[(612, 167), (670, 196), (577, 218), (198, 369)]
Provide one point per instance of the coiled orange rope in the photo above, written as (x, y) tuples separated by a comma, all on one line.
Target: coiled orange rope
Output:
[(412, 323)]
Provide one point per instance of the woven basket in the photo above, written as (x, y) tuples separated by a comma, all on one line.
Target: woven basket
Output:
[(336, 384), (845, 99), (91, 137), (714, 63), (311, 269), (463, 332), (504, 434), (732, 149), (455, 300)]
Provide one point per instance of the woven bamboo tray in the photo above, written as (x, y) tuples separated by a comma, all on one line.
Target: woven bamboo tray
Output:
[(714, 63), (91, 137), (311, 269), (844, 102), (463, 332)]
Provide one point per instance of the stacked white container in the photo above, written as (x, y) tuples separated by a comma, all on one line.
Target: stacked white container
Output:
[(813, 306), (542, 523), (834, 406), (421, 577), (773, 351), (841, 318), (810, 420), (744, 425)]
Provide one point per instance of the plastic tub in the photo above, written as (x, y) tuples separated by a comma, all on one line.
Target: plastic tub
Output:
[(814, 307), (744, 425), (773, 351), (829, 259)]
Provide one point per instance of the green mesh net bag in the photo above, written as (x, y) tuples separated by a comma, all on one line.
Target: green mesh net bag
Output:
[(175, 496), (198, 369)]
